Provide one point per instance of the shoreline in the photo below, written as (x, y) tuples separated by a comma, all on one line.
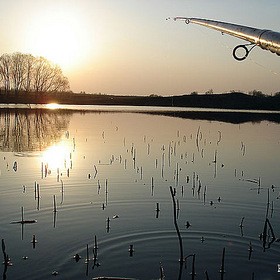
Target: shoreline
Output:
[(233, 101), (223, 115)]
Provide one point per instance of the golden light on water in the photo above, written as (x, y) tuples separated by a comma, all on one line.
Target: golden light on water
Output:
[(53, 106), (57, 156)]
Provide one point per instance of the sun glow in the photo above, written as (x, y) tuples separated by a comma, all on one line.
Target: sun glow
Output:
[(53, 106), (61, 36), (57, 156)]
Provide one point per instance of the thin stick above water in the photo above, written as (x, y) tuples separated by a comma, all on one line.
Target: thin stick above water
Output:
[(176, 225), (54, 205)]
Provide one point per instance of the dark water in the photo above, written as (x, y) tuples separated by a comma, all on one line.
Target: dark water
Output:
[(109, 171)]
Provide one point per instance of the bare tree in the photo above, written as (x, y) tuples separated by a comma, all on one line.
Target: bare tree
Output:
[(5, 64), (17, 71), (29, 64), (41, 74), (25, 72)]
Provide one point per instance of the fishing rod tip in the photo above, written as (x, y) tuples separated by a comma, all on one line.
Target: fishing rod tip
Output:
[(169, 18)]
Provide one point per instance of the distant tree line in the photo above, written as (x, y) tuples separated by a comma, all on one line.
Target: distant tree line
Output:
[(25, 73)]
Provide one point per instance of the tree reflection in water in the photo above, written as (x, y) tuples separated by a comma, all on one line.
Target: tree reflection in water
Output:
[(26, 130)]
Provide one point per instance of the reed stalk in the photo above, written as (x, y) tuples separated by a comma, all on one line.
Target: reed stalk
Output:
[(87, 258), (54, 204), (176, 225), (222, 270)]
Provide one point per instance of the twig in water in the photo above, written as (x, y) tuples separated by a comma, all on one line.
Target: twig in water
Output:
[(177, 174), (215, 157), (23, 221), (95, 172), (176, 225), (193, 182), (35, 190), (241, 223), (162, 276), (259, 184), (215, 164), (157, 210), (34, 241), (204, 195), (38, 191), (62, 192), (220, 137), (95, 247), (54, 219), (162, 165), (197, 138), (131, 250), (54, 205), (250, 250), (265, 235), (95, 253), (87, 258), (152, 186), (98, 187), (272, 209), (193, 274), (108, 224), (178, 208), (106, 192), (193, 267), (267, 204), (7, 260), (241, 226), (222, 270), (199, 187)]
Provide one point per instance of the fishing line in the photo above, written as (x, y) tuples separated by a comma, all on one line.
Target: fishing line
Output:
[(264, 67), (225, 45)]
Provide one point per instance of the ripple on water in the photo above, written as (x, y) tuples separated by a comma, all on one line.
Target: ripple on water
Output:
[(152, 248)]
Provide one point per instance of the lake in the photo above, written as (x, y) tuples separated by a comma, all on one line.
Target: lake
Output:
[(88, 192)]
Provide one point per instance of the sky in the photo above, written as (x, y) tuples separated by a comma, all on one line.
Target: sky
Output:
[(127, 47)]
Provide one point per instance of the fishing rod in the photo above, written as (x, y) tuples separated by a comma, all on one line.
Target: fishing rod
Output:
[(263, 38)]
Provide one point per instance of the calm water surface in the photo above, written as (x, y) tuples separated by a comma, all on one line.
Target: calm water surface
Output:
[(108, 172)]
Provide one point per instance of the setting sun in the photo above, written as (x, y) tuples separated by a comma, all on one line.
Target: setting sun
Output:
[(61, 37)]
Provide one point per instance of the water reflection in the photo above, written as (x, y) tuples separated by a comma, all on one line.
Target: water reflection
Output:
[(57, 156), (117, 190), (25, 130), (234, 117)]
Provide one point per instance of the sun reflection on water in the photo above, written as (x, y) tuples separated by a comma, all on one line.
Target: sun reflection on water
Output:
[(53, 106), (57, 156)]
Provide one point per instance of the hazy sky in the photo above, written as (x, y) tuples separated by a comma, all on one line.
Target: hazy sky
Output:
[(128, 46)]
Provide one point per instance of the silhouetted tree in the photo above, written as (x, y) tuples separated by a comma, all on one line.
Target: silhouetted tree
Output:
[(17, 71), (210, 91), (257, 93), (29, 62), (194, 93), (5, 62), (24, 72)]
